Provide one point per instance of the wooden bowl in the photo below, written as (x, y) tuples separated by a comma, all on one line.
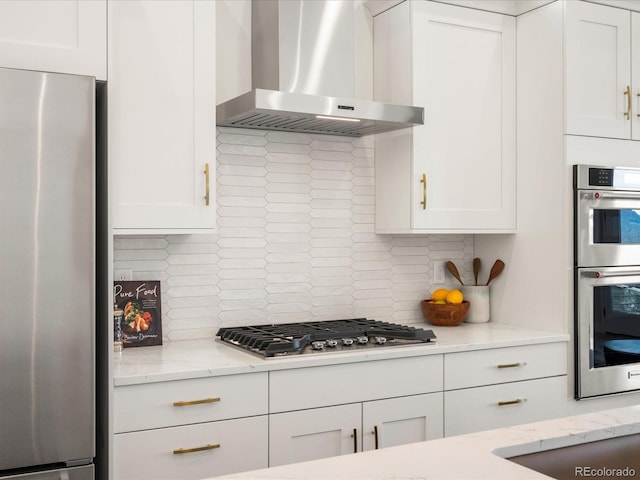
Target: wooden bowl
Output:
[(444, 314)]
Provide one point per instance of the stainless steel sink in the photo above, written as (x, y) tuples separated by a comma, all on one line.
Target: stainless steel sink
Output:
[(600, 459)]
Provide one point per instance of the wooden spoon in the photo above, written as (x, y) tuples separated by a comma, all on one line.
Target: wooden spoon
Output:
[(476, 269), (496, 270), (454, 271)]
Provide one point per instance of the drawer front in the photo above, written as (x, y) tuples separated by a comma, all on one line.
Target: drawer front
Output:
[(501, 365), (192, 451), (183, 402), (312, 387), (485, 408)]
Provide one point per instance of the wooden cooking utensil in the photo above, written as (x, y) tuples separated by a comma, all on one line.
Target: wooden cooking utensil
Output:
[(496, 270), (454, 271), (476, 269)]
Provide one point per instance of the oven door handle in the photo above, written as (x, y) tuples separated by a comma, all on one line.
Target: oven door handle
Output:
[(605, 274), (614, 195)]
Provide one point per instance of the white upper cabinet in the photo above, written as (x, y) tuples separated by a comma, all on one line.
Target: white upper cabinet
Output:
[(635, 75), (162, 132), (457, 173), (66, 36), (602, 87)]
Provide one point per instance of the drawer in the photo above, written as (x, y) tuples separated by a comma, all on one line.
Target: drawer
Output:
[(312, 387), (209, 449), (501, 365), (496, 406), (165, 404)]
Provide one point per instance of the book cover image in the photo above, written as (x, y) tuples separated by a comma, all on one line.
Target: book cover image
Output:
[(141, 303)]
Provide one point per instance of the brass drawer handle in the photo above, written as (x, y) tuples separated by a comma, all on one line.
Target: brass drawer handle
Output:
[(512, 402), (627, 93), (196, 402), (206, 180), (512, 365), (182, 451), (423, 181)]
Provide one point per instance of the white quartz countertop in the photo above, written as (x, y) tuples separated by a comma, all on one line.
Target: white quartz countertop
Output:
[(473, 456), (206, 358)]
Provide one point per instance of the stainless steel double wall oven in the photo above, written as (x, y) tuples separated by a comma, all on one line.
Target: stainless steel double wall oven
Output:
[(607, 280)]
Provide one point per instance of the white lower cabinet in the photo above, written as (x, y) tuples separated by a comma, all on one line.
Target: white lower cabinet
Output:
[(192, 451), (326, 432), (501, 387), (319, 412), (204, 427), (191, 429)]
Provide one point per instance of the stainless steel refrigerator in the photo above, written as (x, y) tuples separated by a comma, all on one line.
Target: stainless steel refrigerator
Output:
[(47, 275)]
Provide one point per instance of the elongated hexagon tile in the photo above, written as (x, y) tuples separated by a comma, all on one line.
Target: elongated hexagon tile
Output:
[(295, 241)]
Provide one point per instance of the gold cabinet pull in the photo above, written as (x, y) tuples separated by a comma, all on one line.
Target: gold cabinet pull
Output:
[(627, 92), (423, 181), (196, 402), (206, 182), (512, 402), (638, 114), (182, 451), (512, 365)]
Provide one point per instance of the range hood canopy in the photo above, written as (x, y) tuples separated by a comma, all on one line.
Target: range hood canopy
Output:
[(303, 75)]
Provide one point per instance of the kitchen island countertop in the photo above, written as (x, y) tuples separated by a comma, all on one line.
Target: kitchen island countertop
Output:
[(187, 359), (465, 457)]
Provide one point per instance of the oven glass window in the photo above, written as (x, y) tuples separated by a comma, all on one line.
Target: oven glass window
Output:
[(616, 226), (616, 325)]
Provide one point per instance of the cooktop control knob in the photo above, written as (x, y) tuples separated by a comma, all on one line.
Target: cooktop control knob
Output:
[(318, 345), (380, 340), (347, 342), (363, 339), (332, 342)]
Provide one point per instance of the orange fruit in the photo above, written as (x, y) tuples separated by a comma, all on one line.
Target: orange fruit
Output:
[(439, 294), (454, 296)]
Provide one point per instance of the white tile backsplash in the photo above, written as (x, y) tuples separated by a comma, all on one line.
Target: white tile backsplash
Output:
[(295, 241)]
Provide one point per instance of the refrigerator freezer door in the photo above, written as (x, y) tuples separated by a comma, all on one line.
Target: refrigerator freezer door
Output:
[(47, 278)]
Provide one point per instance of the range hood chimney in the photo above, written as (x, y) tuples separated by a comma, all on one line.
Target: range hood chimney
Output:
[(303, 78)]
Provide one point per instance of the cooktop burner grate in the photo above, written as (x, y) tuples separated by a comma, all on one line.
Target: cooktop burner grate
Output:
[(322, 336)]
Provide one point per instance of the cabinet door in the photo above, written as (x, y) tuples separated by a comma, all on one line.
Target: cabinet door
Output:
[(312, 434), (64, 36), (193, 451), (162, 115), (464, 158), (397, 421), (635, 76), (598, 76)]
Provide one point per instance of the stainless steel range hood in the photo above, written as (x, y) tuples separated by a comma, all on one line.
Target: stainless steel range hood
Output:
[(303, 74)]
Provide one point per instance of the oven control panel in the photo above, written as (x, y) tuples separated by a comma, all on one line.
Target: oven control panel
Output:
[(600, 177), (590, 177)]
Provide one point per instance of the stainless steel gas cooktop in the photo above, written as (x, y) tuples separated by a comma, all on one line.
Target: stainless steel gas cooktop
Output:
[(353, 334)]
